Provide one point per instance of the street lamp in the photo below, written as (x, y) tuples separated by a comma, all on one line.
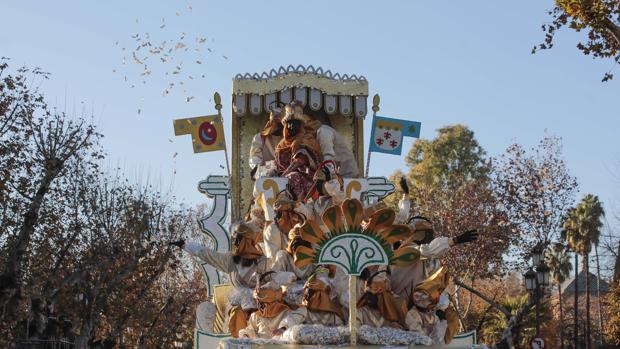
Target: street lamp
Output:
[(538, 253), (537, 279), (530, 280), (542, 274)]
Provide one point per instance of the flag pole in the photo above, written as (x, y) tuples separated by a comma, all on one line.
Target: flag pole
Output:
[(375, 109), (218, 105)]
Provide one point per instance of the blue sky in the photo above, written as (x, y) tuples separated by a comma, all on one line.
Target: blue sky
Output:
[(438, 62)]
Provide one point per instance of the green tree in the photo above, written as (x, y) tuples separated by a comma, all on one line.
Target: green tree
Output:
[(601, 20), (558, 261), (582, 230), (449, 160)]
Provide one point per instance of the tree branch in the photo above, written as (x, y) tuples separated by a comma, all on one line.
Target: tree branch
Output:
[(484, 298)]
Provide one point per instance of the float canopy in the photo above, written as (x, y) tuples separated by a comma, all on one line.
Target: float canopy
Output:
[(336, 94)]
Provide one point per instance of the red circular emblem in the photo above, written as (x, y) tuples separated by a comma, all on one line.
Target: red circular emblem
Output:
[(207, 133)]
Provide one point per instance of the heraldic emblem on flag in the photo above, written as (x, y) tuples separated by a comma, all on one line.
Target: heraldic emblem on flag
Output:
[(387, 134), (207, 132)]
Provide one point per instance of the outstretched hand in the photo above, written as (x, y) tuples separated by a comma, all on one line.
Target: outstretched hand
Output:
[(468, 236), (179, 243), (403, 185)]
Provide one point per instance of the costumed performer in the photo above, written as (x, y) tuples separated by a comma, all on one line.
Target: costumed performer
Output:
[(272, 316), (263, 148), (242, 264)]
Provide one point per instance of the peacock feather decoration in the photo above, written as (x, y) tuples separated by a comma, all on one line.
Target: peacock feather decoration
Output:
[(350, 241)]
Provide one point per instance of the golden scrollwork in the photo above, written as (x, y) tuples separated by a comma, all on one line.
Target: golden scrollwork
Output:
[(353, 186), (275, 189)]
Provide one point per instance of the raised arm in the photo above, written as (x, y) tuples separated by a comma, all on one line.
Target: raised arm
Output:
[(325, 136), (439, 246), (436, 248), (404, 205), (221, 261), (256, 151)]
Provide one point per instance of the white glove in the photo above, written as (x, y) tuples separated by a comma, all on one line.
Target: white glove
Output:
[(332, 187)]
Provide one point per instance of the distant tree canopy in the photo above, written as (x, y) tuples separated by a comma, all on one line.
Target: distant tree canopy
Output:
[(599, 18), (451, 159), (80, 251)]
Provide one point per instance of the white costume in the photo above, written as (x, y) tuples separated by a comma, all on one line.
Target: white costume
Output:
[(427, 322), (405, 279), (223, 261), (261, 327), (242, 278), (334, 147), (263, 154), (285, 262), (321, 300), (274, 241), (391, 304), (274, 315)]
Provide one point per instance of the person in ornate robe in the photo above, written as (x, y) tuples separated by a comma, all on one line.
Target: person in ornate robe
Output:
[(273, 316), (285, 259), (405, 279), (334, 147), (431, 313), (263, 147), (322, 304), (298, 153), (275, 234), (379, 306), (338, 281), (242, 264), (327, 190)]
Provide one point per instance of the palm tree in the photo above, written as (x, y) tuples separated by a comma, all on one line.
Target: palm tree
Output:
[(558, 261), (526, 329), (582, 231), (598, 297)]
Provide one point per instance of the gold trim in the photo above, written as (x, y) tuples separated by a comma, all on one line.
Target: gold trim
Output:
[(359, 142), (235, 181), (310, 80)]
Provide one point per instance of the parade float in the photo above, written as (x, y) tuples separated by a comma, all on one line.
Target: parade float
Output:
[(298, 233)]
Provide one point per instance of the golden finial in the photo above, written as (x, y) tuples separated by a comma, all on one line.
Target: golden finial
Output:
[(375, 103), (218, 101)]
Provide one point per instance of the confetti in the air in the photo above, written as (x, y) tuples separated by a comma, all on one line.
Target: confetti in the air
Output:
[(160, 53)]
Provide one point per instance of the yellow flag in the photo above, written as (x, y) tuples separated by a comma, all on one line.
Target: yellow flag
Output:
[(207, 132)]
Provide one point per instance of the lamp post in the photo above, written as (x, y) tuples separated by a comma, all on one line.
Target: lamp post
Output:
[(538, 253), (536, 279)]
